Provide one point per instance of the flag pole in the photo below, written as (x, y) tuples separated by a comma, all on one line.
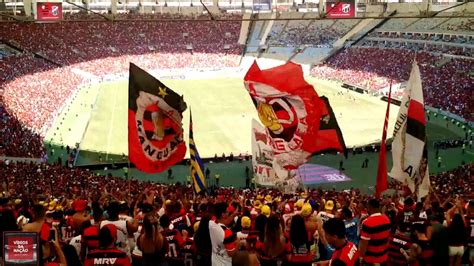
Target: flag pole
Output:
[(381, 183)]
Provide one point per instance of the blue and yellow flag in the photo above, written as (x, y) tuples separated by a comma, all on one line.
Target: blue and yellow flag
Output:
[(197, 166)]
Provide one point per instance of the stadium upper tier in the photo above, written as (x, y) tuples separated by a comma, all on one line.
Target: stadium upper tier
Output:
[(447, 83)]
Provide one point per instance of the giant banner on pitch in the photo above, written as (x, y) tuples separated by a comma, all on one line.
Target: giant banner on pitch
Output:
[(155, 131)]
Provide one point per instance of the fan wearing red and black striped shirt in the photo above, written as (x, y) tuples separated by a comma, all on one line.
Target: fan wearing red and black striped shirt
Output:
[(374, 235), (399, 240)]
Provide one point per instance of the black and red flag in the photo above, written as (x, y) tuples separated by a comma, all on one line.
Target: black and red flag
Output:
[(155, 131), (329, 137)]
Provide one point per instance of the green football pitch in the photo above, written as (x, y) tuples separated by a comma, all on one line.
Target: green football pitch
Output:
[(222, 114)]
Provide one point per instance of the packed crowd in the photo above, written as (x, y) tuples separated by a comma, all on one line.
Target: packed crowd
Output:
[(418, 47), (34, 90), (141, 223), (425, 36), (318, 33), (446, 87), (75, 41)]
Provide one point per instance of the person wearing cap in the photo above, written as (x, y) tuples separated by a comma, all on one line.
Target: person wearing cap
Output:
[(323, 216), (80, 214), (124, 228), (224, 241), (266, 210), (345, 253), (108, 253), (328, 212), (246, 223)]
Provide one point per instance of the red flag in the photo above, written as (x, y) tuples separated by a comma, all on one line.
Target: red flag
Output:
[(381, 184), (290, 110), (155, 132), (329, 137)]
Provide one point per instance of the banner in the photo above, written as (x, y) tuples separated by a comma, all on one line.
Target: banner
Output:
[(340, 10), (262, 156), (290, 110), (155, 132), (49, 11), (20, 248), (409, 138), (197, 166)]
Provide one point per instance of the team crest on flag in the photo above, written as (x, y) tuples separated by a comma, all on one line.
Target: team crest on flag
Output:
[(290, 110), (155, 132)]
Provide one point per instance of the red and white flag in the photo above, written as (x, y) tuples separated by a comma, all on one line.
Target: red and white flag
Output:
[(291, 111), (410, 164)]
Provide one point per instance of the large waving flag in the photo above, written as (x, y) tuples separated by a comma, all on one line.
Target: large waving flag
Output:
[(382, 183), (197, 166), (410, 165), (292, 114), (155, 132), (290, 110)]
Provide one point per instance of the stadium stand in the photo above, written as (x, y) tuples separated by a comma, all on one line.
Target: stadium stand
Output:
[(30, 83), (374, 67)]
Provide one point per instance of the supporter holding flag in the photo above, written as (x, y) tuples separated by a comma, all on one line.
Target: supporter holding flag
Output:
[(107, 254), (242, 235)]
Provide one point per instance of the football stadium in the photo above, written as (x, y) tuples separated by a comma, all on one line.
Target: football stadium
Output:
[(237, 132)]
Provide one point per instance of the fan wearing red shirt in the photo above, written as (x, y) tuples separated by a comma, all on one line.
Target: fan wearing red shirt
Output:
[(373, 245), (107, 254), (346, 253)]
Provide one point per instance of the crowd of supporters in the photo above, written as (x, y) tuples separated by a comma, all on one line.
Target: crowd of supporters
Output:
[(141, 223), (318, 33), (33, 90), (446, 87), (75, 41)]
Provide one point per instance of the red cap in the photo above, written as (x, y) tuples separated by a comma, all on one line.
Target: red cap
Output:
[(112, 229), (79, 205)]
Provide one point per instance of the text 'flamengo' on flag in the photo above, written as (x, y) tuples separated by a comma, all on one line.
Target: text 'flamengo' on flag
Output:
[(197, 166)]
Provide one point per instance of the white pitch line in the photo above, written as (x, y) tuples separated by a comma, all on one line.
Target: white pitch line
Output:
[(110, 127)]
